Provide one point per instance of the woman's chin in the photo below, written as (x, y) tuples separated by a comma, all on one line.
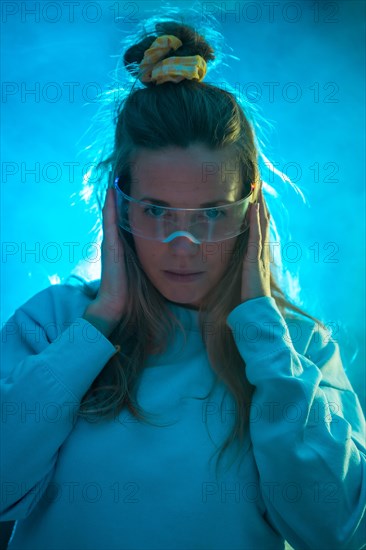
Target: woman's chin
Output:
[(180, 299)]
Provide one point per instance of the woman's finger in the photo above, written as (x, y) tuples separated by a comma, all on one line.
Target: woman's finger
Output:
[(112, 247), (254, 241), (264, 222)]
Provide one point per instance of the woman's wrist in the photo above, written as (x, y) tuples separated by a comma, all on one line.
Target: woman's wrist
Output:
[(100, 319)]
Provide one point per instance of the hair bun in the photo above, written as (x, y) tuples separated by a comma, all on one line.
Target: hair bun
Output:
[(192, 44)]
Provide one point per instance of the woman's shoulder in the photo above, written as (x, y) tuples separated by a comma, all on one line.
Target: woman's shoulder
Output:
[(60, 302), (86, 287), (301, 328), (315, 340)]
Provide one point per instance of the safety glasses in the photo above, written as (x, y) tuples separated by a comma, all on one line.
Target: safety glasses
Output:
[(162, 223)]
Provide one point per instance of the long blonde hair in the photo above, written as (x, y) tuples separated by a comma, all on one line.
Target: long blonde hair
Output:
[(154, 117)]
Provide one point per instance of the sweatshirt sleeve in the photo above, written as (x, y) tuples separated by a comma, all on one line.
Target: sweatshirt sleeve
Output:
[(48, 361), (307, 429)]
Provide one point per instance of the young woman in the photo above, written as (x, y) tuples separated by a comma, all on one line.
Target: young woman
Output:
[(117, 394)]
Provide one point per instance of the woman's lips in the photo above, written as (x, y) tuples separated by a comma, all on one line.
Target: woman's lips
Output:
[(181, 277)]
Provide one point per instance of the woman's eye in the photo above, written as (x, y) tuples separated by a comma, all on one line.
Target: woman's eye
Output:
[(154, 211), (215, 214), (158, 212)]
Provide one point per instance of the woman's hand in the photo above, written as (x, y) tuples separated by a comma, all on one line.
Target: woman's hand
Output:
[(256, 264), (109, 305)]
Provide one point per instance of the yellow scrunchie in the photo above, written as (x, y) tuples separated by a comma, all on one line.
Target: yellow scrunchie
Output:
[(174, 69)]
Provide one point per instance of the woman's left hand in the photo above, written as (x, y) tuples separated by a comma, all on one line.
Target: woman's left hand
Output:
[(256, 264)]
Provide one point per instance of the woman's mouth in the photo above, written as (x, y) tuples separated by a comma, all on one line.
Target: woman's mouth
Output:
[(182, 277)]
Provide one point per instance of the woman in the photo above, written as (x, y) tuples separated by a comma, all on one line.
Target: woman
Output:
[(249, 376)]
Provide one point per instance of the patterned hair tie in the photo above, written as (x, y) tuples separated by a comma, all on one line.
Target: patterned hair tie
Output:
[(174, 69)]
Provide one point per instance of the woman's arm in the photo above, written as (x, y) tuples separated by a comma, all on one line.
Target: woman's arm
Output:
[(307, 429), (50, 355)]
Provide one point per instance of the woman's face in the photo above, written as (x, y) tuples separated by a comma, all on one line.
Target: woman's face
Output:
[(185, 178)]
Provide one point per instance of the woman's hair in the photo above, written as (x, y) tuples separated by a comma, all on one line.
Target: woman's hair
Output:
[(153, 117)]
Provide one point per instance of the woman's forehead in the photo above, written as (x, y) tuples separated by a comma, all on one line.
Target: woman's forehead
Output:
[(193, 170)]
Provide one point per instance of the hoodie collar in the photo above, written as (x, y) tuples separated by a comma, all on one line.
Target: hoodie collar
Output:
[(187, 316)]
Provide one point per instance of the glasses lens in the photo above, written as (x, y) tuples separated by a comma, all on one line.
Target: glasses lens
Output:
[(156, 222)]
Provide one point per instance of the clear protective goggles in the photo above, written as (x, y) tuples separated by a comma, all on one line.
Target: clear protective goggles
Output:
[(162, 223)]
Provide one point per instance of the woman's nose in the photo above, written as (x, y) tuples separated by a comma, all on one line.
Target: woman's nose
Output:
[(183, 246)]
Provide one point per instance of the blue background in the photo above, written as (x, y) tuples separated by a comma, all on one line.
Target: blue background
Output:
[(316, 45)]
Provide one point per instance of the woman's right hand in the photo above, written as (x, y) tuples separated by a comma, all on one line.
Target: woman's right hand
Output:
[(109, 305)]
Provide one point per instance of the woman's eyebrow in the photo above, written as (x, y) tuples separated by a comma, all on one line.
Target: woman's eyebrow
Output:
[(205, 204)]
